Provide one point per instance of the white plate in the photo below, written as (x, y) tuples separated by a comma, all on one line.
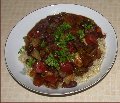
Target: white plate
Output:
[(15, 42)]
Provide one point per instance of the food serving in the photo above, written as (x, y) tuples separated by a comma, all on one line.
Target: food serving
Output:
[(63, 50)]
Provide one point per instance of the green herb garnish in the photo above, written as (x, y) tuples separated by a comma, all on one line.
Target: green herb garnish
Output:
[(60, 30), (51, 61), (43, 44), (65, 26), (88, 26), (30, 61), (61, 43), (64, 55), (69, 37), (22, 49), (81, 34), (61, 40)]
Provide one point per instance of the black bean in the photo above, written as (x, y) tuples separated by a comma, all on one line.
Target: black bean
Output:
[(70, 84)]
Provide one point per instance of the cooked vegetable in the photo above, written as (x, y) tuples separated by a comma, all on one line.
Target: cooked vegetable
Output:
[(35, 42), (35, 54), (78, 60)]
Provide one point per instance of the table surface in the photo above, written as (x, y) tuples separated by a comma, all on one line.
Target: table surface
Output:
[(107, 90)]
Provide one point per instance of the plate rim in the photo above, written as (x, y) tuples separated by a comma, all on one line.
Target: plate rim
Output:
[(71, 92)]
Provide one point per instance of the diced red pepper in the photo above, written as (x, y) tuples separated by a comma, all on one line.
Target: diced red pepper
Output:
[(67, 67), (51, 79), (40, 67), (90, 39)]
